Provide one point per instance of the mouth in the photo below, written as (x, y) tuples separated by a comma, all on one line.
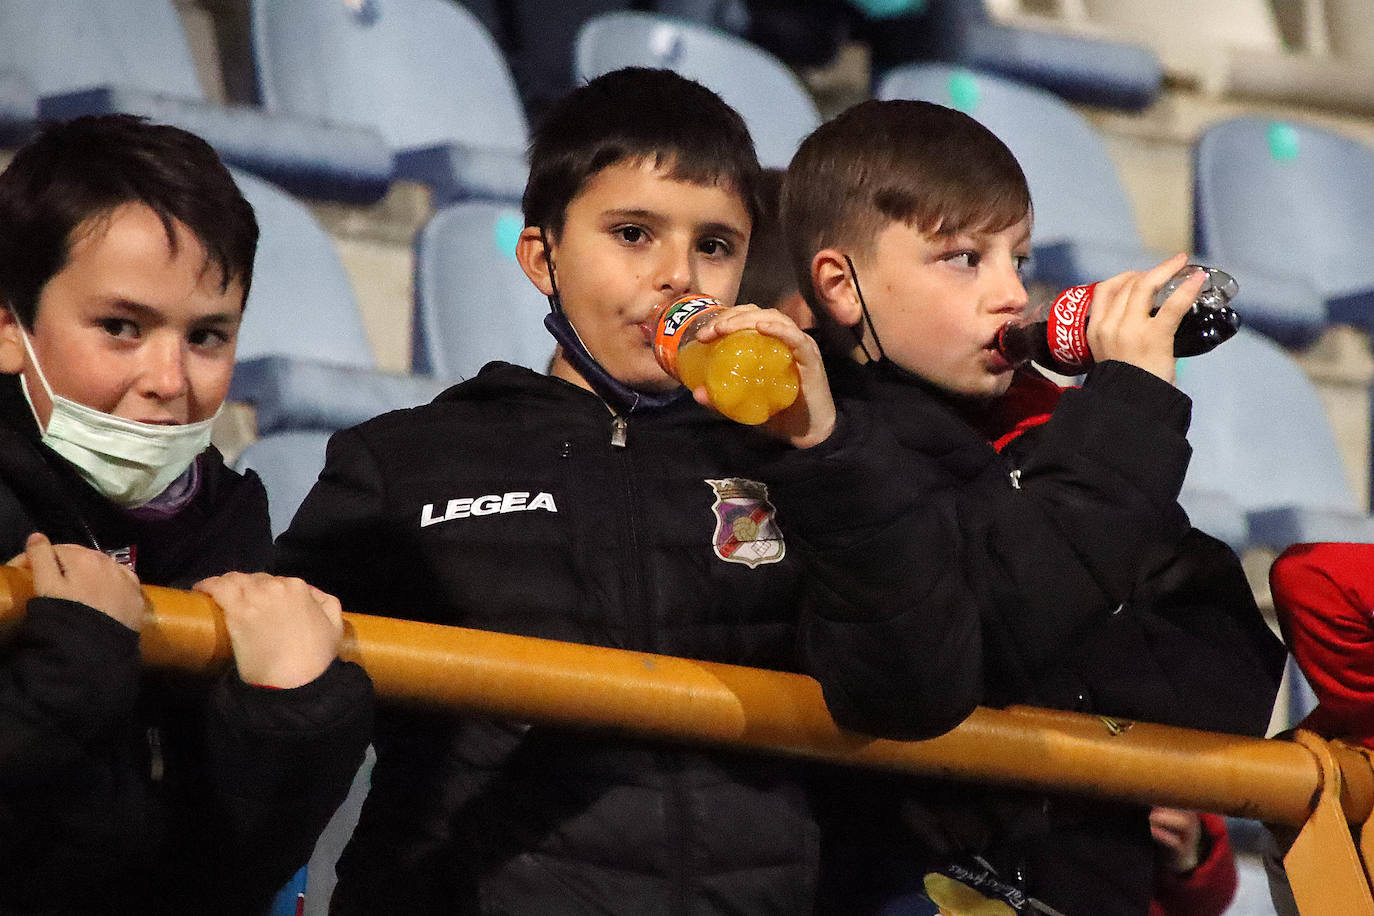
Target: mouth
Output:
[(997, 363)]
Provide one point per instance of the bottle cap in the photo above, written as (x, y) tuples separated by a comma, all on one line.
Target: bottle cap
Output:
[(669, 322)]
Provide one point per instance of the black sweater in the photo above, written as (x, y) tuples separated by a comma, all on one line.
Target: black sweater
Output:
[(1095, 595), (123, 791), (508, 505)]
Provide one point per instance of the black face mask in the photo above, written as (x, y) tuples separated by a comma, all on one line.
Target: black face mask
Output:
[(619, 396), (857, 330), (880, 363)]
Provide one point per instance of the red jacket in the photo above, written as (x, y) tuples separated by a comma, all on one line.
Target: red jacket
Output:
[(1206, 890), (1324, 596)]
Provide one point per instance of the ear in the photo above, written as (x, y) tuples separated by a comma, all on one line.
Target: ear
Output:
[(11, 343), (835, 287), (531, 251)]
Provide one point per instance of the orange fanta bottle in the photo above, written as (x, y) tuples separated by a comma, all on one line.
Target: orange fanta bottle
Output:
[(747, 375)]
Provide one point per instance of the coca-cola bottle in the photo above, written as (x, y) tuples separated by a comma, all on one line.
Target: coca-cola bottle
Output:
[(1059, 342)]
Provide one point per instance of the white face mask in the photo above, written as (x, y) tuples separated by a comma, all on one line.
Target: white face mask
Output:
[(128, 462)]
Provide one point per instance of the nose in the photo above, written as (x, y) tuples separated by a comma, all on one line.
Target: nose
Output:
[(1009, 294), (163, 375), (676, 269)]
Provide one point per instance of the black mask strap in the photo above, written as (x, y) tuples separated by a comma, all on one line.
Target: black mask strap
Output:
[(621, 397), (857, 330)]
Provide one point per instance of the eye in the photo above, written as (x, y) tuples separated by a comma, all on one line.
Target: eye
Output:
[(1022, 262), (715, 247), (631, 235), (121, 328), (208, 338), (964, 259)]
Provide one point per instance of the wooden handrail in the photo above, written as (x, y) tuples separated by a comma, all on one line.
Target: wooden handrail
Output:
[(582, 686)]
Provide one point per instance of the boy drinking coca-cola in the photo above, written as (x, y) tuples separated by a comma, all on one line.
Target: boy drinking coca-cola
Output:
[(908, 224)]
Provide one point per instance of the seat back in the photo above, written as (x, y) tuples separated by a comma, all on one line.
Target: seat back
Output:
[(772, 101), (1350, 29), (289, 462), (1292, 198), (1216, 24), (423, 72), (1075, 188), (473, 303), (66, 45), (1259, 431), (301, 304)]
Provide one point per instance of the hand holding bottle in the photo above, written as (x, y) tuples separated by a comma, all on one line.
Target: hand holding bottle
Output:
[(1139, 319), (751, 364), (1129, 326)]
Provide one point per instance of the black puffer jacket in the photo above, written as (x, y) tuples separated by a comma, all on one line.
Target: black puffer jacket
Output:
[(1096, 595), (516, 502), (123, 792)]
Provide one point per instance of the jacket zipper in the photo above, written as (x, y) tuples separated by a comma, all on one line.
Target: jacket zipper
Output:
[(678, 808)]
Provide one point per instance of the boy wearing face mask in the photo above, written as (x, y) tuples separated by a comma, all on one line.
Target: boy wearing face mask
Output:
[(907, 224), (126, 254)]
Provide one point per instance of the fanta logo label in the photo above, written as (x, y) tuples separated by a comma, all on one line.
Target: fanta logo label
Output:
[(683, 310), (746, 530), (491, 504)]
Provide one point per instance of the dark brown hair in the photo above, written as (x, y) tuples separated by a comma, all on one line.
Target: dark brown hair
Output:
[(77, 171), (632, 114), (930, 167), (768, 277)]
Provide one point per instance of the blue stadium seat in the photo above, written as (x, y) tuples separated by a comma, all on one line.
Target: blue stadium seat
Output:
[(1261, 441), (301, 304), (290, 897), (288, 461), (731, 16), (1286, 207), (1085, 229), (473, 303), (1095, 71), (772, 101), (424, 73), (95, 57), (304, 361), (18, 107)]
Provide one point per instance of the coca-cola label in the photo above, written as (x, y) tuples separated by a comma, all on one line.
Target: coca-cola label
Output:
[(671, 320), (1067, 325)]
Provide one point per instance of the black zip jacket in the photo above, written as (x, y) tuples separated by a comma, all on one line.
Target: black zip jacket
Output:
[(516, 502), (134, 792), (1096, 595)]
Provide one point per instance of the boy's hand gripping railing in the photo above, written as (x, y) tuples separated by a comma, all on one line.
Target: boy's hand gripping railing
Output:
[(1309, 783)]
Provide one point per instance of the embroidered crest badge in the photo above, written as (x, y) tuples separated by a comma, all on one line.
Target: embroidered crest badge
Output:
[(746, 531)]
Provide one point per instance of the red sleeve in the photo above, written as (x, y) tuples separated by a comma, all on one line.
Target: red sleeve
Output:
[(1324, 594), (1206, 890)]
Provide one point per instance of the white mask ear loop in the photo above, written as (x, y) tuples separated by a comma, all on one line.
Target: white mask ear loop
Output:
[(126, 461), (23, 381)]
